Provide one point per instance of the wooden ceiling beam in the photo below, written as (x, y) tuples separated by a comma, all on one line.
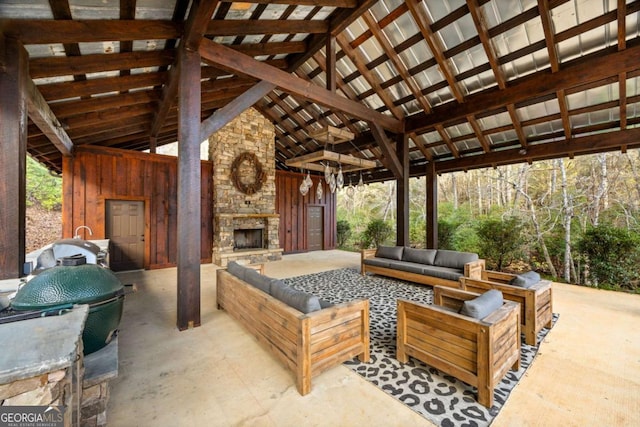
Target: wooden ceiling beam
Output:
[(199, 17), (241, 27), (66, 65), (436, 48), (358, 61), (387, 47), (40, 113), (323, 3), (390, 159), (65, 90), (578, 146), (46, 31), (239, 63), (596, 67), (66, 109), (480, 23)]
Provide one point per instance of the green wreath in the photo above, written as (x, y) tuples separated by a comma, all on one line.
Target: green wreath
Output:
[(259, 175)]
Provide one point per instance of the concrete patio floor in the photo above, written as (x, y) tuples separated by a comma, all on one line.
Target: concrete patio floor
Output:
[(587, 372)]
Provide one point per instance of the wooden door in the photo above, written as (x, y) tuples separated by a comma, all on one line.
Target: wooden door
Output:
[(125, 230), (315, 228)]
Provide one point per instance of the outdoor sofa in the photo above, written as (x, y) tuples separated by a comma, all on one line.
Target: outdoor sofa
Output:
[(478, 344), (533, 295), (306, 334), (435, 267)]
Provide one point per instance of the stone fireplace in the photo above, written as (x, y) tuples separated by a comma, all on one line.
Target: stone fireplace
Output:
[(245, 225)]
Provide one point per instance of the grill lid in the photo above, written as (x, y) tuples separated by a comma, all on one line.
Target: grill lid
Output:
[(84, 284)]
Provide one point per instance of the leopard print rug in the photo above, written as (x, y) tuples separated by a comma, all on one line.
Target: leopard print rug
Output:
[(439, 397)]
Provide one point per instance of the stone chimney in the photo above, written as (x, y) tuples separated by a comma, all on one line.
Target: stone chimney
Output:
[(245, 223)]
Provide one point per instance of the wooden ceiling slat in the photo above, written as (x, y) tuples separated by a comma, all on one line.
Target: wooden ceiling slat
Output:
[(66, 109)]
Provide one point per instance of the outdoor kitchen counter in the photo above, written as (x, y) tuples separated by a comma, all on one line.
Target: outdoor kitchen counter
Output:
[(37, 346)]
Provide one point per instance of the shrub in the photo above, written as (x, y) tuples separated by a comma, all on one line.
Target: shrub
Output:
[(376, 234), (612, 255), (500, 240), (343, 231)]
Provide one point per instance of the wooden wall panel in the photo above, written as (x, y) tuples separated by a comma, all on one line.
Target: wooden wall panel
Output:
[(292, 207), (96, 174)]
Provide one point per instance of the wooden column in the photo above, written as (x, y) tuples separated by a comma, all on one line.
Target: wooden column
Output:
[(14, 72), (330, 50), (402, 191), (432, 206), (188, 189)]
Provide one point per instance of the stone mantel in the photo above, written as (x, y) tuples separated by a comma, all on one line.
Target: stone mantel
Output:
[(248, 215)]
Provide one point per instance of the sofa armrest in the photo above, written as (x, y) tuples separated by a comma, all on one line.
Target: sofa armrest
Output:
[(368, 253), (496, 276), (474, 269)]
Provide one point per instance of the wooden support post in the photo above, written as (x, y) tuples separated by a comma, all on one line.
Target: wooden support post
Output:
[(14, 72), (402, 191), (153, 144), (189, 190), (432, 206), (330, 50)]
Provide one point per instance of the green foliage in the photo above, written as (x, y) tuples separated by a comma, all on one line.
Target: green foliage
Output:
[(377, 233), (343, 231), (465, 239), (500, 240), (43, 188), (613, 255), (417, 233)]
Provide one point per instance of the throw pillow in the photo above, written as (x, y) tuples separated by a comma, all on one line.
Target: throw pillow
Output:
[(454, 259), (482, 306), (391, 252), (526, 280), (421, 256)]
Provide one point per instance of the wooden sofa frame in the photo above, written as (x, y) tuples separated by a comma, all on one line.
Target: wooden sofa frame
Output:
[(307, 344), (478, 352), (536, 302), (471, 269)]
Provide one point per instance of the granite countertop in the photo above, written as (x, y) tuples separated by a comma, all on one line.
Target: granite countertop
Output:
[(36, 346)]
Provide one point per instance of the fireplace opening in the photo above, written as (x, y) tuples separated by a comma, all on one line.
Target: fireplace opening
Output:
[(248, 239)]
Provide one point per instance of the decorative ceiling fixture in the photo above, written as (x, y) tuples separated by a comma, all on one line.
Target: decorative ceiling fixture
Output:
[(330, 162)]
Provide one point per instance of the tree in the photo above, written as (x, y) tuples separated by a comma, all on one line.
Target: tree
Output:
[(376, 234), (43, 188), (613, 255), (500, 240), (343, 230)]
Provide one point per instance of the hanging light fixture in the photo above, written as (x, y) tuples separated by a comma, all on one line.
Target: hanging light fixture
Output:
[(340, 178), (332, 183), (350, 190), (306, 184), (319, 190), (360, 183)]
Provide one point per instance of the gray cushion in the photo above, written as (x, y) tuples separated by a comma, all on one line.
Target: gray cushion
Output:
[(294, 298), (258, 280), (482, 306), (411, 267), (526, 280), (378, 262), (391, 252), (237, 270), (421, 256), (442, 272), (325, 304), (453, 259)]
